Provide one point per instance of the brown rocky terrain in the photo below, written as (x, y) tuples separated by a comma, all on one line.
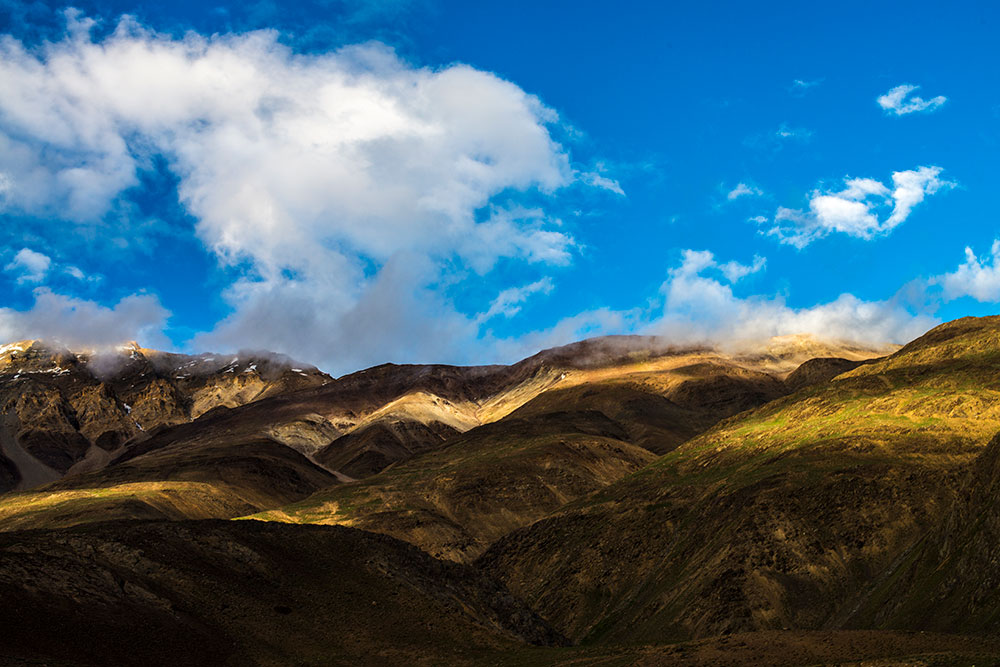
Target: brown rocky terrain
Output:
[(785, 503), (802, 513), (63, 412), (607, 408), (656, 396)]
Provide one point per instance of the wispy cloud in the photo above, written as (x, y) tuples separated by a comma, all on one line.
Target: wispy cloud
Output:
[(800, 87), (508, 303), (898, 101), (785, 131), (855, 210), (599, 180), (734, 271), (779, 138), (744, 190)]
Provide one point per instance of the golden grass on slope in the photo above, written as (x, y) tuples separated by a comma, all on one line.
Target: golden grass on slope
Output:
[(169, 500)]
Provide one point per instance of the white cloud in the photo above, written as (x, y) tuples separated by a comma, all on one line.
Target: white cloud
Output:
[(29, 266), (734, 271), (696, 304), (978, 278), (82, 323), (323, 178), (598, 180), (899, 102), (855, 210), (508, 302), (744, 190), (700, 307)]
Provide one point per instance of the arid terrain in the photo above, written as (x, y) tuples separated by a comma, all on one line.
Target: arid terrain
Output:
[(620, 500)]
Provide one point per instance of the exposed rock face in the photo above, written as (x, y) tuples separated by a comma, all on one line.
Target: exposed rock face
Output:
[(606, 409), (63, 407), (103, 419), (47, 426), (633, 494)]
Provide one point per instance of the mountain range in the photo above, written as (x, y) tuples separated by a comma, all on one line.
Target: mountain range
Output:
[(621, 500)]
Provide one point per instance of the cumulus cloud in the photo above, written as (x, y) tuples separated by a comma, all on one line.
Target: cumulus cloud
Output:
[(29, 266), (325, 181), (978, 278), (856, 210), (743, 190), (898, 101), (697, 306), (82, 323)]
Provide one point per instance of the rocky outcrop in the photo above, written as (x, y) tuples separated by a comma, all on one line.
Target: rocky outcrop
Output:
[(62, 405)]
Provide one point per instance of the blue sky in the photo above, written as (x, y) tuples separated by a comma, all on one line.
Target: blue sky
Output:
[(356, 182)]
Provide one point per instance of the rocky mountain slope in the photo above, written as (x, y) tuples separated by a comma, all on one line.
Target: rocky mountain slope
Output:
[(279, 449), (63, 412), (783, 517), (787, 502)]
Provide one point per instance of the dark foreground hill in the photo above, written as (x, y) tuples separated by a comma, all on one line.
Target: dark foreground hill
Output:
[(255, 593), (239, 593)]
